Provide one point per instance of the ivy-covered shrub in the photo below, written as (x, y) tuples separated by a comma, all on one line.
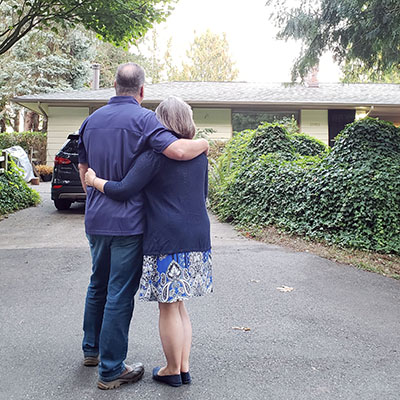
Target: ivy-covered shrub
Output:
[(268, 146), (350, 196), (29, 141), (14, 192), (307, 145)]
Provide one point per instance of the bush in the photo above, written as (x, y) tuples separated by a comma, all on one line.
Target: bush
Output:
[(307, 145), (350, 196), (14, 192), (239, 178), (29, 141)]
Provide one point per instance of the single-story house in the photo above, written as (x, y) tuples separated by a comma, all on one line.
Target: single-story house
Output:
[(321, 110)]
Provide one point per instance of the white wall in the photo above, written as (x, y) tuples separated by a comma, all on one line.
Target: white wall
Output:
[(220, 119), (62, 121), (315, 123)]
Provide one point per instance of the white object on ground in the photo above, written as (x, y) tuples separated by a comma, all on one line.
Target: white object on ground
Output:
[(20, 157)]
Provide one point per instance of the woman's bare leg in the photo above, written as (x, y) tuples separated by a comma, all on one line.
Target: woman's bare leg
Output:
[(172, 337), (187, 340)]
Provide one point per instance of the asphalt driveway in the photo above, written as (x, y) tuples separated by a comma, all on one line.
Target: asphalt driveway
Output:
[(334, 336)]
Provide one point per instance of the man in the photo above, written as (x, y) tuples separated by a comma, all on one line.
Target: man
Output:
[(109, 142)]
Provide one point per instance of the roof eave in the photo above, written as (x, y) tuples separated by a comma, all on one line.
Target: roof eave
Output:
[(200, 103)]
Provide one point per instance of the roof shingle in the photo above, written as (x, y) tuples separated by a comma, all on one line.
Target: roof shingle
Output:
[(242, 92)]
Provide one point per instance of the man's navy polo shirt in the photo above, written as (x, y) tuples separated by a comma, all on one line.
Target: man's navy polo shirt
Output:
[(110, 140)]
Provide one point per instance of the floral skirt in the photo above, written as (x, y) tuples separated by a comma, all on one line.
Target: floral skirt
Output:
[(174, 277)]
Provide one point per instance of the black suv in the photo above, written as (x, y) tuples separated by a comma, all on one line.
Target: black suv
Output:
[(66, 185)]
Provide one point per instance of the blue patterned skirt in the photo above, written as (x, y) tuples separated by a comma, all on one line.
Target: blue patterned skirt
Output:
[(174, 277)]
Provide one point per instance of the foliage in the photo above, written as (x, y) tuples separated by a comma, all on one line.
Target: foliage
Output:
[(152, 63), (357, 72), (307, 145), (42, 62), (351, 29), (109, 57), (350, 196), (252, 119), (29, 141), (14, 192), (117, 22), (208, 60), (204, 133), (45, 61), (216, 150)]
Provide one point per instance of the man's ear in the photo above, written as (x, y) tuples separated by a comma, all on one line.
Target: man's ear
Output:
[(142, 92)]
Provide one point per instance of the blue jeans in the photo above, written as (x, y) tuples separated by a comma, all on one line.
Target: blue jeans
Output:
[(116, 272)]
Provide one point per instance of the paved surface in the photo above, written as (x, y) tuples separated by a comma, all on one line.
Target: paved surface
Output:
[(335, 336)]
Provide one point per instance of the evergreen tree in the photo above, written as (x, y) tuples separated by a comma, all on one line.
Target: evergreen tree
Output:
[(366, 32), (42, 62), (46, 61)]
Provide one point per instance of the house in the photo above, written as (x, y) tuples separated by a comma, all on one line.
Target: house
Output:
[(322, 110)]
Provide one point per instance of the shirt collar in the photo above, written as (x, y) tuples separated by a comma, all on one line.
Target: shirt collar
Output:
[(123, 99)]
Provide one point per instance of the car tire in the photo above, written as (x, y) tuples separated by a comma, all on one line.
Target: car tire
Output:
[(62, 204)]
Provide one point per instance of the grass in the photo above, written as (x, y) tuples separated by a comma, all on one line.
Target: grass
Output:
[(383, 264)]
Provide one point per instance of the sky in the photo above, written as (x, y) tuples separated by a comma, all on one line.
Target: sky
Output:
[(250, 34)]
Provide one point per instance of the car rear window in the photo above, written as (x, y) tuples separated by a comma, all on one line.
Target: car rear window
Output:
[(71, 146)]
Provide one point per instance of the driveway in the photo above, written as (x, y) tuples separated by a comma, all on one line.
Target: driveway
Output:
[(334, 336)]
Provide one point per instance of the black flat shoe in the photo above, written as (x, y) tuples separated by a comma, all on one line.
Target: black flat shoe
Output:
[(171, 380), (186, 378)]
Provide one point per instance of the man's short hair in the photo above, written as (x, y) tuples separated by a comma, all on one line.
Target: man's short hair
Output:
[(129, 79)]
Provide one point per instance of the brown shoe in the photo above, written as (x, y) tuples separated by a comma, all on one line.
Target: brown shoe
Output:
[(90, 361), (131, 375)]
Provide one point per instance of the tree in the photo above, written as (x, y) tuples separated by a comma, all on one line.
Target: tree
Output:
[(152, 64), (109, 57), (42, 62), (355, 31), (115, 21), (169, 65), (209, 60), (357, 72)]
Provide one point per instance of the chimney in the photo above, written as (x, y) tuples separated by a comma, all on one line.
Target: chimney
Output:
[(312, 77), (96, 76)]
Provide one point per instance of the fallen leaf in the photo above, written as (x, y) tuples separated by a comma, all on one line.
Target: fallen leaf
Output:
[(285, 288), (241, 328)]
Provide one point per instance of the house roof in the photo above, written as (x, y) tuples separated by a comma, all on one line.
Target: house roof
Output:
[(238, 93)]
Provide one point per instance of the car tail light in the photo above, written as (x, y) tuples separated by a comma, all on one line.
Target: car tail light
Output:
[(61, 160), (57, 186)]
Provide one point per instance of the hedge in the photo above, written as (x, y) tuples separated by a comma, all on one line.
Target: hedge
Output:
[(349, 196), (28, 141), (14, 192)]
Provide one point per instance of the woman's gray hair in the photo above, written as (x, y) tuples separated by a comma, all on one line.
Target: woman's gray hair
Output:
[(177, 116)]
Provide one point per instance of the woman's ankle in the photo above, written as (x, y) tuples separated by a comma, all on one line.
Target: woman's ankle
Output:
[(167, 370), (185, 367)]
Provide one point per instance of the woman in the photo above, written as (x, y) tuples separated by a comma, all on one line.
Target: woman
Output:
[(177, 250)]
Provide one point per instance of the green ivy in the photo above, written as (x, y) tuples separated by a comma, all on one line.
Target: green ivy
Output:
[(15, 194), (349, 196)]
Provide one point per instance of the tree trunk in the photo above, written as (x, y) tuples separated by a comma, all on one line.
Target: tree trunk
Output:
[(35, 122), (16, 123), (44, 124), (2, 125), (28, 121)]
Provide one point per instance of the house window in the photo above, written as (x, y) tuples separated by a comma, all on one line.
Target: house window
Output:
[(242, 120)]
